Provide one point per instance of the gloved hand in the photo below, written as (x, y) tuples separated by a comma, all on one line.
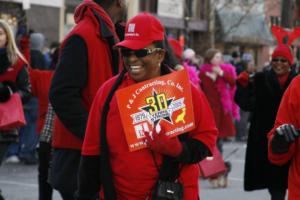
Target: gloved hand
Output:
[(160, 143), (4, 61), (284, 136), (5, 91)]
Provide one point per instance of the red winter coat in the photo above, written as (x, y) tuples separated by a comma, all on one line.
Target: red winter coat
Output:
[(289, 112), (224, 120), (40, 84), (135, 172), (99, 64)]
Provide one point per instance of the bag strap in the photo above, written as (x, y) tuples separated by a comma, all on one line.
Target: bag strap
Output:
[(170, 168), (105, 169)]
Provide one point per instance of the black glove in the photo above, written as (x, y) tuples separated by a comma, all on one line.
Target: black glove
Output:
[(284, 136), (5, 92), (4, 61), (6, 89)]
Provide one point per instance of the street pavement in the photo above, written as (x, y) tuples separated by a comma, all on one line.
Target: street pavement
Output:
[(19, 182)]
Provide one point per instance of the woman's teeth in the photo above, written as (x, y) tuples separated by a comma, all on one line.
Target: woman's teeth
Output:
[(135, 68)]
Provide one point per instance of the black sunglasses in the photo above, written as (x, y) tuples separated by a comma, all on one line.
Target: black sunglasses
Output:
[(140, 53), (279, 60)]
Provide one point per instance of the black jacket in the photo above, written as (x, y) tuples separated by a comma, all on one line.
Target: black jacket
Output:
[(262, 97)]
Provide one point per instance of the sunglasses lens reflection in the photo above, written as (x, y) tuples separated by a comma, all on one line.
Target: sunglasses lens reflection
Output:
[(138, 53)]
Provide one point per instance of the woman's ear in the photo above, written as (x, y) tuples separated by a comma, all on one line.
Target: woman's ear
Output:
[(161, 55)]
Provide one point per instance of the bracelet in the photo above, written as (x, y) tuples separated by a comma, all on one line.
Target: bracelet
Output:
[(10, 90)]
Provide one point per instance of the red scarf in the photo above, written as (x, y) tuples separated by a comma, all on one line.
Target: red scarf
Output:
[(282, 79), (86, 9)]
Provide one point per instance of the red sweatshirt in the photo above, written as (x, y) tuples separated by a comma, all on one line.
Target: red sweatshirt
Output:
[(289, 112)]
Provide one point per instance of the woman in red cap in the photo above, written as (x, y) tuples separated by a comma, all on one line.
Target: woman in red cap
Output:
[(134, 174), (261, 94)]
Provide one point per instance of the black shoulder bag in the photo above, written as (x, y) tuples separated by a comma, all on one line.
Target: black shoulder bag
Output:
[(167, 187)]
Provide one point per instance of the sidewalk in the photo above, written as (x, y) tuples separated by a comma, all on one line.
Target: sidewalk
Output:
[(19, 182)]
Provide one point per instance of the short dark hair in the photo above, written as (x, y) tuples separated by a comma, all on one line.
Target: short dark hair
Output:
[(105, 3), (170, 59), (159, 44)]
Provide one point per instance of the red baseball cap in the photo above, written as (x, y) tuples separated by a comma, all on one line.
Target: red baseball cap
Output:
[(141, 31)]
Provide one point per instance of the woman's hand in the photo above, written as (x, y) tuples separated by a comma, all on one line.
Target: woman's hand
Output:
[(160, 143), (284, 136), (217, 70)]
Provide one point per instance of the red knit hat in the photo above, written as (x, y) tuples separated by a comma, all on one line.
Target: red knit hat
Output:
[(142, 30), (283, 51)]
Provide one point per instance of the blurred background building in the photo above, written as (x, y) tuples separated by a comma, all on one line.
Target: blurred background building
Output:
[(45, 16), (199, 24)]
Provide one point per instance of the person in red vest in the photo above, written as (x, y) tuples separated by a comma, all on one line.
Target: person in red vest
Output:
[(40, 81), (87, 59), (136, 173), (13, 78)]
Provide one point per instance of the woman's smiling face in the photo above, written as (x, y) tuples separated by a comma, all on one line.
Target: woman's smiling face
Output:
[(217, 59), (280, 65), (143, 66)]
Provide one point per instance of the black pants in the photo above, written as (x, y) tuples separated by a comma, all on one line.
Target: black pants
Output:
[(45, 189), (277, 193), (66, 196), (3, 149), (64, 170)]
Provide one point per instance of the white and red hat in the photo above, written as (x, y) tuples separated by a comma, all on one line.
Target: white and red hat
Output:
[(141, 31)]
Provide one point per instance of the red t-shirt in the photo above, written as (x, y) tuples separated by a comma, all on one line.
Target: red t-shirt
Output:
[(289, 113), (135, 172)]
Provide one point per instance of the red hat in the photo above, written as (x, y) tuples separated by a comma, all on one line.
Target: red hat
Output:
[(141, 31), (176, 47), (283, 51)]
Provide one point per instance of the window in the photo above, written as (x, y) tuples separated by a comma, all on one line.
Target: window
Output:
[(149, 5), (196, 9)]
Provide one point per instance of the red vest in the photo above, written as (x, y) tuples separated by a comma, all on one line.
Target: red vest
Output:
[(40, 81), (12, 72), (99, 70)]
